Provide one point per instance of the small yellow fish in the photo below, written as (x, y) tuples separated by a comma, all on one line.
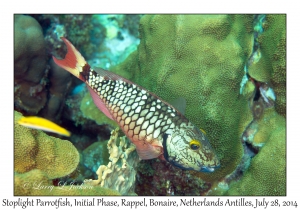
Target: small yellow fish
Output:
[(43, 124)]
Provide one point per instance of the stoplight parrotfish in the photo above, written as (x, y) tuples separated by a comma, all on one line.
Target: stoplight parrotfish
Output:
[(155, 127), (43, 124)]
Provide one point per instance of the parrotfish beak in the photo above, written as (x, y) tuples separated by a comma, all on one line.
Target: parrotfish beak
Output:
[(209, 169)]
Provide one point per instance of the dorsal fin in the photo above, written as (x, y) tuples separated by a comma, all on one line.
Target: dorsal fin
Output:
[(179, 104)]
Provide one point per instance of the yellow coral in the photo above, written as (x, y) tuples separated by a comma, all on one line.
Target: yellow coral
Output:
[(36, 150)]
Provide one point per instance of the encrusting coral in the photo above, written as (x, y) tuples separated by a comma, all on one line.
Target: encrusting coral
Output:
[(120, 172)]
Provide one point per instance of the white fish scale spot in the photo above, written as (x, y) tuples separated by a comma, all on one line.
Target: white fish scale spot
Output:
[(122, 106), (130, 101), (142, 133), (172, 114), (152, 109), (131, 125), (120, 112), (137, 130), (144, 97), (134, 105), (131, 113), (143, 92), (127, 120), (141, 103), (124, 116), (157, 123), (140, 121), (150, 129), (118, 102), (137, 99), (107, 88), (135, 117), (158, 106), (156, 133), (149, 115), (153, 120), (134, 92), (138, 109), (98, 89), (169, 121), (122, 97), (127, 109), (118, 95), (145, 125), (144, 112)]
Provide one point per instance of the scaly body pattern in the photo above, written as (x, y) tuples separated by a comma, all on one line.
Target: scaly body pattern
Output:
[(154, 126)]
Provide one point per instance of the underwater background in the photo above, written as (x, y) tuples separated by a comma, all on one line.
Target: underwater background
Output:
[(231, 69)]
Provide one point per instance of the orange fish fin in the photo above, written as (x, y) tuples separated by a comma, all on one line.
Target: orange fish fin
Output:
[(99, 103), (148, 151), (73, 61)]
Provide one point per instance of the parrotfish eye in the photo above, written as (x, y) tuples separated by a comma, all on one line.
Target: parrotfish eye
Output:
[(195, 144)]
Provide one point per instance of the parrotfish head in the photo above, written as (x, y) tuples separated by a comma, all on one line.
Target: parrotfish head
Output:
[(188, 148)]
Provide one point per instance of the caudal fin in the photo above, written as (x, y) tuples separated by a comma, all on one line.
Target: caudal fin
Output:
[(73, 61)]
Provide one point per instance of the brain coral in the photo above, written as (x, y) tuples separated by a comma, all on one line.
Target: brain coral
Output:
[(36, 150), (30, 69), (200, 58)]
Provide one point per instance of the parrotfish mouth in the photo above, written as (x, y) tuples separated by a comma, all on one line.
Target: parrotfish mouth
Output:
[(208, 169)]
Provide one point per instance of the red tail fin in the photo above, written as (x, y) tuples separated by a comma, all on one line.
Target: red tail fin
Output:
[(73, 61)]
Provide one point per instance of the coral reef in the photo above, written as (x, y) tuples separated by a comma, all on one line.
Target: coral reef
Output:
[(271, 159), (36, 150), (40, 158), (120, 172), (201, 59), (30, 65), (271, 67)]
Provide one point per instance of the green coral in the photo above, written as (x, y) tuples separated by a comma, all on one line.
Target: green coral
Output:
[(267, 172), (271, 67), (200, 58)]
